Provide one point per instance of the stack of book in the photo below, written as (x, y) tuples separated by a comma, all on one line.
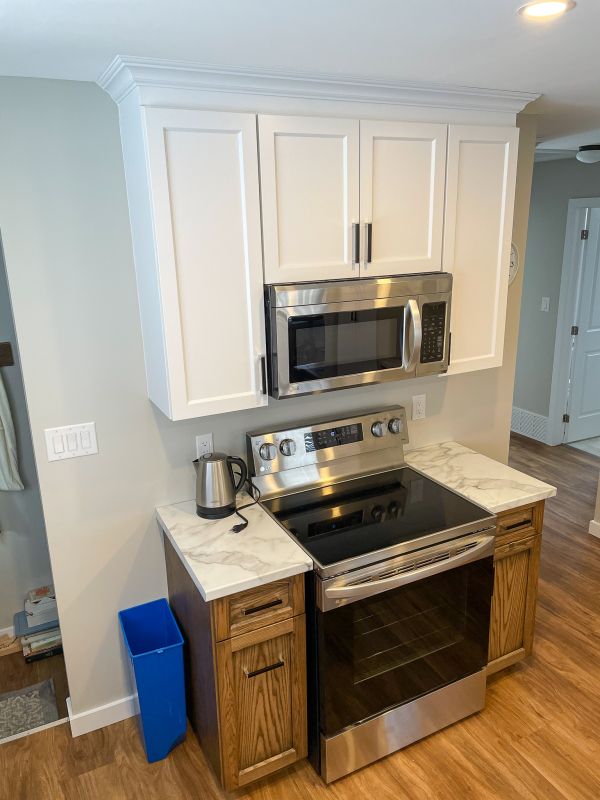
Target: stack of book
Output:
[(37, 625), (42, 645)]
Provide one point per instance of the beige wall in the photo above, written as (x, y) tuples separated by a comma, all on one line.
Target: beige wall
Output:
[(63, 215)]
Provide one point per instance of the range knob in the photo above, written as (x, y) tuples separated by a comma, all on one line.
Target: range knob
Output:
[(378, 429), (377, 513), (395, 425), (288, 447), (267, 451), (394, 509)]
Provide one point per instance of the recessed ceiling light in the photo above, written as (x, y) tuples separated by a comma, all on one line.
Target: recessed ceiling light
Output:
[(589, 153), (547, 8)]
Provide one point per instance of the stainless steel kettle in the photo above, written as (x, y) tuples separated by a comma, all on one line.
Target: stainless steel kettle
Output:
[(216, 485)]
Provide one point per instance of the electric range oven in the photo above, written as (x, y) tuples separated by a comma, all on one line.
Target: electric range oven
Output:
[(337, 334), (398, 604)]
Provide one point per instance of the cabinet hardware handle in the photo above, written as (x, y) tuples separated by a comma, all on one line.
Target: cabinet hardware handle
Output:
[(277, 602), (263, 373), (368, 242), (355, 243), (280, 663), (522, 524)]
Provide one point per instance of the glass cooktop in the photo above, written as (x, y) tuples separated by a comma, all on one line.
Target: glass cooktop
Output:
[(351, 519)]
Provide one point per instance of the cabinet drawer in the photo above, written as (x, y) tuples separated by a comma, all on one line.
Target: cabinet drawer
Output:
[(518, 523), (254, 608)]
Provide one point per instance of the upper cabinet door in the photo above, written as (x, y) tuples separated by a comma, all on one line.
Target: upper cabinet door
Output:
[(402, 177), (309, 185), (480, 196), (201, 289)]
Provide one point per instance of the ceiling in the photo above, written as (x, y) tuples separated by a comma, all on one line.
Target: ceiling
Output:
[(481, 43)]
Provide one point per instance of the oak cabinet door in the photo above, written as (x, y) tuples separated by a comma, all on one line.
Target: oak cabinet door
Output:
[(513, 605), (309, 186), (402, 179), (198, 259), (480, 195), (262, 700)]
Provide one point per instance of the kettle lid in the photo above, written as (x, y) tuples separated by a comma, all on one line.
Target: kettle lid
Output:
[(214, 457)]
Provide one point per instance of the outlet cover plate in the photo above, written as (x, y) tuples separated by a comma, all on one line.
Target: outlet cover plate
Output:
[(418, 406), (71, 441), (204, 444)]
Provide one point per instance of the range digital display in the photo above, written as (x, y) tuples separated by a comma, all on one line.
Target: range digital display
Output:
[(332, 437)]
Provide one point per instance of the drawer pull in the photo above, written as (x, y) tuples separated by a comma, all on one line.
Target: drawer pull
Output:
[(246, 611), (280, 663), (522, 524)]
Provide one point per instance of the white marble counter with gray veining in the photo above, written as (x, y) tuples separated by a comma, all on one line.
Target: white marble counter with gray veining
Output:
[(222, 563), (478, 478)]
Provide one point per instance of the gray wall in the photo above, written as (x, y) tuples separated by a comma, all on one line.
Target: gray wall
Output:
[(24, 558), (63, 212), (554, 184)]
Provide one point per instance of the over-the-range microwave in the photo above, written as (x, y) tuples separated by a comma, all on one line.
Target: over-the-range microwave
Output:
[(339, 334)]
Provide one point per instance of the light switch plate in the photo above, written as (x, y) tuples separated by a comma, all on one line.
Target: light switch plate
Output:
[(204, 444), (71, 441), (418, 406), (545, 304)]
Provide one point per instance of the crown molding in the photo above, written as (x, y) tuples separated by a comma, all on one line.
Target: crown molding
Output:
[(126, 73)]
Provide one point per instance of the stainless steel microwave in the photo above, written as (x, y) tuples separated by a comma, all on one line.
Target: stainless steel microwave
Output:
[(338, 334)]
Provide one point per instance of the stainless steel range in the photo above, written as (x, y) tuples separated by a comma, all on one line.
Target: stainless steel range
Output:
[(398, 604)]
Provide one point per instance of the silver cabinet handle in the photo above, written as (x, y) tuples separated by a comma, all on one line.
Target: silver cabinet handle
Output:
[(355, 243), (368, 242), (484, 548), (412, 315)]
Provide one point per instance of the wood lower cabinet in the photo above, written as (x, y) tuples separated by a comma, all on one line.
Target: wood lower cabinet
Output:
[(517, 562), (245, 661)]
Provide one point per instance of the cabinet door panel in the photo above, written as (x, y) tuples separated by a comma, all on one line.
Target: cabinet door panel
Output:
[(309, 184), (402, 177), (204, 182), (480, 194)]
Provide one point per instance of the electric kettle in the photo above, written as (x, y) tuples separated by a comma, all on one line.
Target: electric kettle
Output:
[(216, 485)]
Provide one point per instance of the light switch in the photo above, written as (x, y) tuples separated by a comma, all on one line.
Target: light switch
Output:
[(545, 304), (71, 441)]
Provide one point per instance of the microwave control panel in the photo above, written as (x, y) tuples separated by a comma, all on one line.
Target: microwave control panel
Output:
[(434, 332)]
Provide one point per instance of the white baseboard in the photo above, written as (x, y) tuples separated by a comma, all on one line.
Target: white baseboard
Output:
[(535, 426), (100, 717), (8, 631), (595, 528)]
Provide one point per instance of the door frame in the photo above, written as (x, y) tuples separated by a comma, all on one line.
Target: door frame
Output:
[(568, 310)]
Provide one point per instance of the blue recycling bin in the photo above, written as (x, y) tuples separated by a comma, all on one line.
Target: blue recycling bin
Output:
[(155, 647)]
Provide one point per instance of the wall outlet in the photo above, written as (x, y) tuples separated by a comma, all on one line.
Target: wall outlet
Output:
[(545, 304), (418, 406), (204, 444), (71, 441)]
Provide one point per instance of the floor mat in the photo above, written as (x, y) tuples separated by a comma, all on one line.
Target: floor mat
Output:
[(27, 708), (588, 445)]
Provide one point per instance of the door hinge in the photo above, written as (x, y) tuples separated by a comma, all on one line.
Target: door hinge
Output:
[(585, 234), (575, 330), (566, 418)]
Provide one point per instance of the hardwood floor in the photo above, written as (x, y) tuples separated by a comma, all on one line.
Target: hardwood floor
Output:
[(536, 740), (16, 674)]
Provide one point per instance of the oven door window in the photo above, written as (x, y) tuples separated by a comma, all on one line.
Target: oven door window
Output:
[(396, 646), (342, 343)]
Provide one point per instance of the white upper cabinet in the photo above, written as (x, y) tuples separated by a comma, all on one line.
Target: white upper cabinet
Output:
[(402, 178), (197, 246), (480, 194), (310, 196)]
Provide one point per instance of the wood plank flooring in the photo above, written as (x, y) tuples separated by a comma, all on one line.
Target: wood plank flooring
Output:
[(15, 674), (536, 740)]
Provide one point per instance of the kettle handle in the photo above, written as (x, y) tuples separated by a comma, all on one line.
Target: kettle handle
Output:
[(243, 469)]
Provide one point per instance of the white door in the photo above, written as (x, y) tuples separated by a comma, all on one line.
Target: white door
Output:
[(402, 179), (584, 405), (480, 196), (309, 186), (203, 169)]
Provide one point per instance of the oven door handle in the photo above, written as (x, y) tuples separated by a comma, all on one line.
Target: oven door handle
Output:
[(412, 314), (483, 548)]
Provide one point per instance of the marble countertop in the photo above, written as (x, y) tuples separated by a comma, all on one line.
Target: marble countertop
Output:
[(478, 478), (222, 563)]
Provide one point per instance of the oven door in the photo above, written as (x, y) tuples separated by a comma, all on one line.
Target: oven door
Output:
[(320, 348), (382, 647)]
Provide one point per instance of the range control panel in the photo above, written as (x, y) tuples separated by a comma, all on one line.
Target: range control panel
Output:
[(276, 450), (434, 330)]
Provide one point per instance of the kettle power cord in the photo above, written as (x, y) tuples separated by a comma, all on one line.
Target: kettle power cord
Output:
[(243, 525)]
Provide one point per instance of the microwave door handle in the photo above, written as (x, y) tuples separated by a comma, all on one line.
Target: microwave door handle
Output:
[(483, 548), (412, 316)]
